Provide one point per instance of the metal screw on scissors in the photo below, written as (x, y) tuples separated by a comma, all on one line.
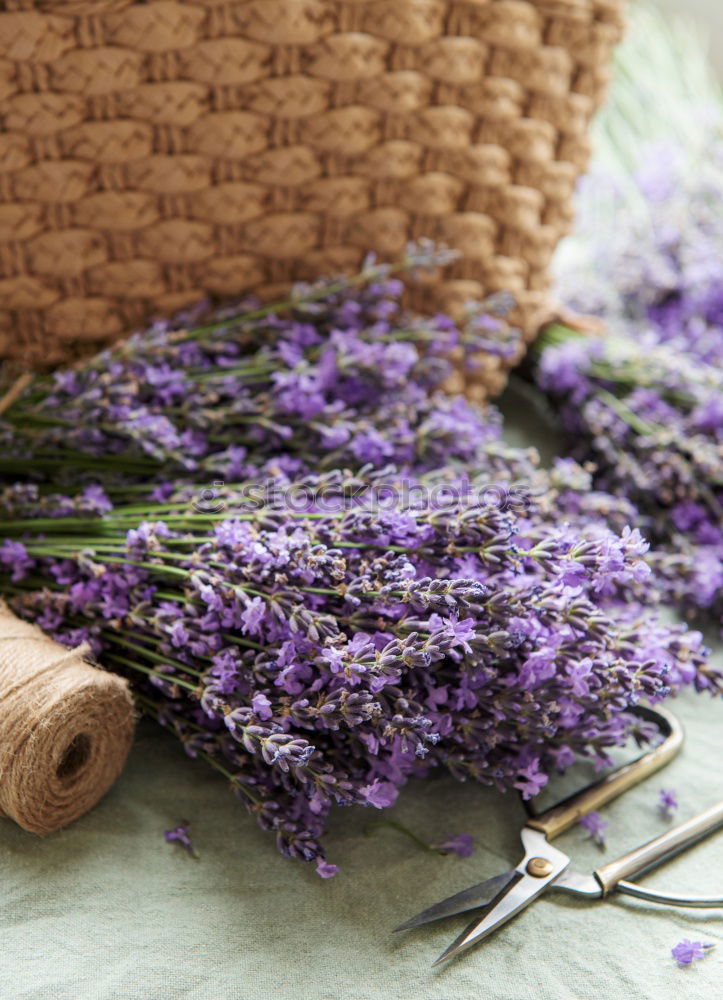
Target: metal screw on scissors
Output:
[(544, 867)]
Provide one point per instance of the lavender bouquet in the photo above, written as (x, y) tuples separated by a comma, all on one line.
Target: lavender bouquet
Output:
[(338, 376), (324, 650), (644, 402), (648, 235), (371, 586), (651, 419)]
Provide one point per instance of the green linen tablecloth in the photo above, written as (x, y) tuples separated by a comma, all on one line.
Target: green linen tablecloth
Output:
[(106, 909)]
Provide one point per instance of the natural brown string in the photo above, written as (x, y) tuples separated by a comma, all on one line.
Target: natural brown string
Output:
[(65, 728)]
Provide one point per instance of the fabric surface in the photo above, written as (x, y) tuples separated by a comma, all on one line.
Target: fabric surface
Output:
[(106, 909)]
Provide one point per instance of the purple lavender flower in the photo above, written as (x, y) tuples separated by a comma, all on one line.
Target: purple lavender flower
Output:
[(531, 779), (326, 870), (262, 706), (595, 826), (462, 845), (667, 803), (15, 556), (687, 952), (181, 834), (380, 794)]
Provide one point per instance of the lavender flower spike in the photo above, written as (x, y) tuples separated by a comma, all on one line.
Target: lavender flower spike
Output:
[(595, 826)]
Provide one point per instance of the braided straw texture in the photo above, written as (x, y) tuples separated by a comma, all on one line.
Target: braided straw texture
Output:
[(154, 153)]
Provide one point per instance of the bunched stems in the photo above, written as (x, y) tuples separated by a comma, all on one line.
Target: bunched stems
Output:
[(325, 655)]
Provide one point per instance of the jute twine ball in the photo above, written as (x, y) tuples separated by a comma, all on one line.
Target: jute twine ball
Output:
[(65, 728)]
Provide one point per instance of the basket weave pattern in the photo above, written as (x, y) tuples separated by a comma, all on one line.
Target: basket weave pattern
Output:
[(153, 153)]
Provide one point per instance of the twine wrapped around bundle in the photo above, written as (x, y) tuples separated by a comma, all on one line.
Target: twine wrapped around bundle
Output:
[(65, 728), (153, 153)]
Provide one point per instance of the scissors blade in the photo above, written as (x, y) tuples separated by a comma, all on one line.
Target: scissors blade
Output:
[(516, 897), (469, 899)]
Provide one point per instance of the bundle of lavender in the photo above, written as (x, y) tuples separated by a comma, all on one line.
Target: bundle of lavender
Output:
[(650, 417), (379, 586), (327, 644), (337, 376), (644, 402), (648, 236)]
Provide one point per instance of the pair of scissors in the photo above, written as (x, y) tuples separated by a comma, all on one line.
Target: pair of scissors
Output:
[(545, 868)]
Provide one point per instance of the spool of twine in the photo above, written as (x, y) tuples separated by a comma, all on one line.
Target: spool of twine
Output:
[(65, 728)]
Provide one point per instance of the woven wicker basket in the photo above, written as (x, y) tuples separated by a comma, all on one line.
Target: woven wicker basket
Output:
[(155, 152)]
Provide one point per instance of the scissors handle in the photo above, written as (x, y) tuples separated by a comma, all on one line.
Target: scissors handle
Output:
[(561, 817), (661, 849)]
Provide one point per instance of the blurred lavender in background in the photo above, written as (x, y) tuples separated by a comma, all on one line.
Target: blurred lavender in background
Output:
[(644, 402), (648, 238)]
